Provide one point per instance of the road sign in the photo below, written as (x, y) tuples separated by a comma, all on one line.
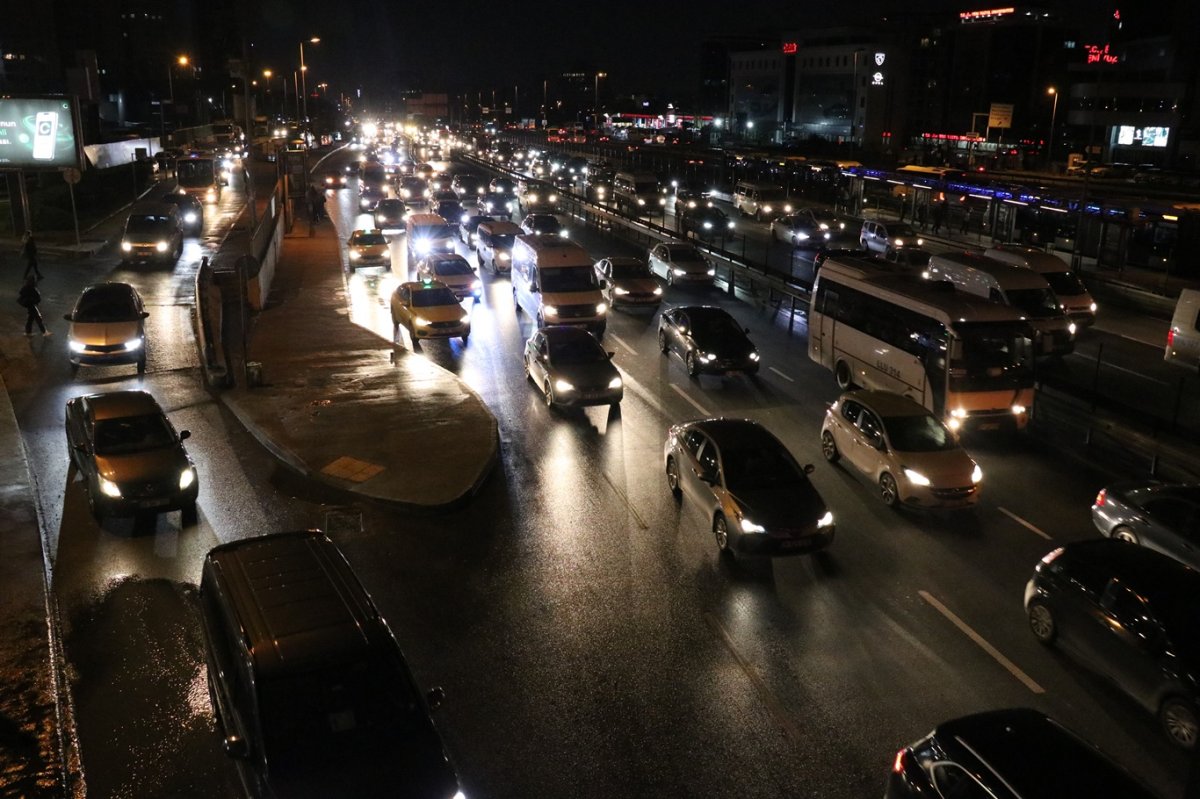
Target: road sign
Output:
[(72, 175), (1000, 115)]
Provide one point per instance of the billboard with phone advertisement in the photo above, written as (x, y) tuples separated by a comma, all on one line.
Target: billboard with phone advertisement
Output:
[(38, 133)]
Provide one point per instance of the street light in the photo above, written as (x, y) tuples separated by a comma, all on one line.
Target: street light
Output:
[(182, 61), (596, 105), (303, 69), (1053, 114)]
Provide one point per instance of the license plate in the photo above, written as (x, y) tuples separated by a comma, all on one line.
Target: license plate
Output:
[(990, 426), (794, 543), (154, 503)]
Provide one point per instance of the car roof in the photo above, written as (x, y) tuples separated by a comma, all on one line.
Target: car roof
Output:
[(424, 285), (731, 433), (675, 248), (1158, 577), (626, 259), (1149, 489), (566, 333), (702, 311), (112, 288), (886, 404), (120, 404)]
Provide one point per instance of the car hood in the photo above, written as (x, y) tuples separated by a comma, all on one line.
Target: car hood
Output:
[(585, 375), (795, 506), (723, 346), (691, 267), (140, 467), (440, 313), (946, 469), (637, 285), (105, 333)]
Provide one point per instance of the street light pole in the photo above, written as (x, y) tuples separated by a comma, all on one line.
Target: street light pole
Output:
[(596, 102), (303, 69), (1053, 115)]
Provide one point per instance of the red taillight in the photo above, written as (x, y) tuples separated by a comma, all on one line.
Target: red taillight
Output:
[(1170, 338), (898, 763), (1100, 497), (1051, 556)]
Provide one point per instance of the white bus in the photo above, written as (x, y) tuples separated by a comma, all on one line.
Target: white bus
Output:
[(964, 358)]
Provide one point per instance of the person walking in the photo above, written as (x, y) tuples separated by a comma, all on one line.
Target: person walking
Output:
[(30, 297), (939, 216), (29, 253)]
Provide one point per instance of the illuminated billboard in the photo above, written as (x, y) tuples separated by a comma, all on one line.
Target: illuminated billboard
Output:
[(1142, 137), (38, 133)]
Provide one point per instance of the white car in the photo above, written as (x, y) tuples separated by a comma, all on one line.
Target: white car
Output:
[(681, 263), (912, 457)]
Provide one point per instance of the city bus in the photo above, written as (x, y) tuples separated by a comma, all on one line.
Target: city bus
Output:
[(879, 326), (942, 173), (199, 176)]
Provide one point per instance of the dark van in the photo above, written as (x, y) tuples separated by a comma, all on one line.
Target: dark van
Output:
[(311, 692)]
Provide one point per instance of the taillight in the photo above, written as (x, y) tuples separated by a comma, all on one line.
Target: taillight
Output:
[(1101, 497), (1170, 337), (899, 763), (1051, 555)]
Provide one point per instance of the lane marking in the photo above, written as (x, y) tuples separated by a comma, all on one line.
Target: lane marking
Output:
[(774, 707), (625, 498), (621, 341), (694, 404), (1126, 371), (1024, 523), (781, 374), (1012, 668)]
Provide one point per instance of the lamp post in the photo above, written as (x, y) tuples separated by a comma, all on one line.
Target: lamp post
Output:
[(267, 74), (596, 103), (1053, 115), (303, 69), (182, 61)]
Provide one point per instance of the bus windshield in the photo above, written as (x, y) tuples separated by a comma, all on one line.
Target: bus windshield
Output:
[(988, 356), (195, 172)]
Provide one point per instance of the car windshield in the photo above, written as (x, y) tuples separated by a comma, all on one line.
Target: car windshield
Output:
[(133, 434), (433, 232), (758, 467), (147, 224), (1037, 303), (503, 242), (427, 298), (629, 271), (1065, 284), (390, 206), (901, 232), (105, 306), (921, 433), (575, 349), (544, 223), (773, 195), (369, 239), (715, 327), (685, 254), (645, 187), (568, 278), (451, 268)]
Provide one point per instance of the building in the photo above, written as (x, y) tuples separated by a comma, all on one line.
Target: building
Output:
[(843, 86), (756, 94)]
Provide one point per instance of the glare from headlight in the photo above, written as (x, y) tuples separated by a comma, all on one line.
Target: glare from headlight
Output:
[(109, 489), (898, 242), (750, 527), (563, 385), (126, 246), (1071, 328), (712, 272), (678, 272), (564, 233), (550, 310), (76, 346), (976, 474), (133, 344), (916, 478), (160, 246), (658, 291), (503, 256), (766, 209), (754, 357), (1093, 307), (190, 217), (424, 246), (620, 292), (355, 255), (601, 308), (826, 520), (553, 198), (707, 357), (708, 225), (187, 477), (1018, 409), (959, 413), (641, 201), (802, 237), (420, 321), (614, 383)]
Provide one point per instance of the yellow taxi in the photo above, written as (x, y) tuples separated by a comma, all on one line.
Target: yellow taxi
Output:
[(429, 309)]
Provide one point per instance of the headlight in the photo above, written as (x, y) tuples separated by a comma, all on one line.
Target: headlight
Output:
[(708, 225), (76, 346), (420, 321), (109, 489), (898, 242), (187, 477), (824, 226), (464, 218), (553, 198), (475, 285), (503, 256), (1071, 328), (1018, 409), (802, 237), (826, 520), (712, 272), (550, 310), (959, 413), (920, 242), (531, 198), (678, 272), (190, 217), (364, 202), (662, 200), (754, 357), (916, 478), (1093, 307), (563, 385), (976, 474), (750, 527), (658, 291), (566, 234), (731, 225), (707, 357), (126, 246), (766, 209), (133, 344), (424, 246), (620, 292), (160, 246), (614, 383), (355, 255), (641, 202), (211, 195), (601, 308)]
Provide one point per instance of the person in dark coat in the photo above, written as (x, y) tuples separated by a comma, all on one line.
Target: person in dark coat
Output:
[(29, 253), (30, 297)]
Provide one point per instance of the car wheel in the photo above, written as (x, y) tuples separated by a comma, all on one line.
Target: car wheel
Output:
[(693, 368), (888, 491), (1041, 622), (548, 395), (1123, 533), (178, 252), (1179, 721), (464, 338), (141, 365), (673, 478), (94, 507), (843, 375), (663, 346), (541, 322), (721, 532), (829, 447), (670, 278), (189, 514), (412, 335), (516, 305)]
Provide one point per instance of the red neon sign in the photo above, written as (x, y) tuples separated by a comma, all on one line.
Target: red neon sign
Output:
[(1099, 55), (987, 13), (789, 48)]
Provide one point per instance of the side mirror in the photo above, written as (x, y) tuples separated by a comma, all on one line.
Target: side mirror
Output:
[(236, 747), (434, 697), (809, 468), (185, 434), (611, 355), (144, 314)]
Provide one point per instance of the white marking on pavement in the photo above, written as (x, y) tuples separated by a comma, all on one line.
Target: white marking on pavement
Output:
[(625, 498), (1012, 668), (1123, 369), (1024, 523), (621, 341), (695, 404), (774, 706), (781, 374)]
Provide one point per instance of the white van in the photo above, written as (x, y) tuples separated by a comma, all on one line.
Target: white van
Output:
[(554, 281), (427, 234), (1020, 288), (761, 200), (1183, 339), (1067, 286), (493, 245), (638, 193)]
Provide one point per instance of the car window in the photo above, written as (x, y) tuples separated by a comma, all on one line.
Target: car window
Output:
[(850, 411), (709, 459), (1171, 512), (869, 424), (954, 782), (692, 440), (132, 434), (922, 433)]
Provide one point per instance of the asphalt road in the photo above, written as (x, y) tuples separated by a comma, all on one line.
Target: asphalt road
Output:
[(590, 640)]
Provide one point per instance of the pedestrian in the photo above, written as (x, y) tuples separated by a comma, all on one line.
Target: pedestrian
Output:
[(30, 297), (966, 221), (939, 216), (29, 253), (921, 215)]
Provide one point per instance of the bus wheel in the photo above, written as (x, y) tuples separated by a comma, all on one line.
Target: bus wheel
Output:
[(845, 379)]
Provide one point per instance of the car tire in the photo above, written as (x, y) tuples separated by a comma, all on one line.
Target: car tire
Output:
[(141, 365), (1041, 622), (1179, 720), (670, 277), (516, 305), (464, 339), (693, 369), (178, 253), (721, 532), (541, 321), (1123, 533), (843, 375), (663, 346), (548, 395), (889, 492), (189, 515), (673, 483), (829, 447), (94, 507)]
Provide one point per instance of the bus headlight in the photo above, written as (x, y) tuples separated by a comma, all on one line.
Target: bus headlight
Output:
[(126, 246), (1018, 409)]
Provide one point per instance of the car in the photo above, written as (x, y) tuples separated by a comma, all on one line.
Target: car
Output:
[(681, 263), (390, 215), (543, 224), (914, 258), (497, 205), (466, 186), (841, 243), (879, 236), (1164, 517), (1129, 614), (108, 327), (413, 189), (450, 210), (574, 166), (441, 195), (337, 180), (708, 339), (539, 197), (429, 309), (903, 448), (452, 270), (571, 369), (626, 281), (705, 222), (129, 455), (368, 248), (370, 197), (687, 199), (501, 186), (470, 222), (757, 498), (1007, 754), (191, 212), (152, 233), (806, 225)]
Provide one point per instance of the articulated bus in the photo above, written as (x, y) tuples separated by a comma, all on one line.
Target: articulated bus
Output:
[(942, 173), (967, 360)]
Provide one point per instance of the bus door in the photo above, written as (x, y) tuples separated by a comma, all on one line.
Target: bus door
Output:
[(852, 199)]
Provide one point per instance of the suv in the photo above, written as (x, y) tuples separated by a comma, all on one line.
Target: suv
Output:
[(310, 690), (152, 232)]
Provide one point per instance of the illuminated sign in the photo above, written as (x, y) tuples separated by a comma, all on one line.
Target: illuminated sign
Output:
[(1098, 55), (1142, 137), (38, 132), (989, 13), (789, 48), (880, 58), (877, 79)]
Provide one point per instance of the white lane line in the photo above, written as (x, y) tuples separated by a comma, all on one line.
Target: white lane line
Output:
[(781, 374), (632, 385), (1126, 371), (695, 404), (774, 707), (1024, 523), (625, 498), (1025, 679), (621, 341)]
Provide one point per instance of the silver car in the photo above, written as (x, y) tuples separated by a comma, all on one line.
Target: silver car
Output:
[(1161, 516)]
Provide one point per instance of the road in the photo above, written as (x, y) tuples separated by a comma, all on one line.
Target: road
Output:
[(590, 640)]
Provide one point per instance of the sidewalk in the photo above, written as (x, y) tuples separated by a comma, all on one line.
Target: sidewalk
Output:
[(335, 408)]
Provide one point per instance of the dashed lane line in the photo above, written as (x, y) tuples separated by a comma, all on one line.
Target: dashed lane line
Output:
[(781, 374), (693, 403), (983, 644), (1025, 524)]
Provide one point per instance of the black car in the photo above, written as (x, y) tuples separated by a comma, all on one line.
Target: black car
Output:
[(1007, 754), (708, 339), (450, 210), (705, 222), (471, 220), (498, 205), (390, 215), (191, 212), (571, 369), (131, 459), (543, 224), (1130, 614)]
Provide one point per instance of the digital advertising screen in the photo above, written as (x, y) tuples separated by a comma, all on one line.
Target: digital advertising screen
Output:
[(1142, 137), (38, 133)]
